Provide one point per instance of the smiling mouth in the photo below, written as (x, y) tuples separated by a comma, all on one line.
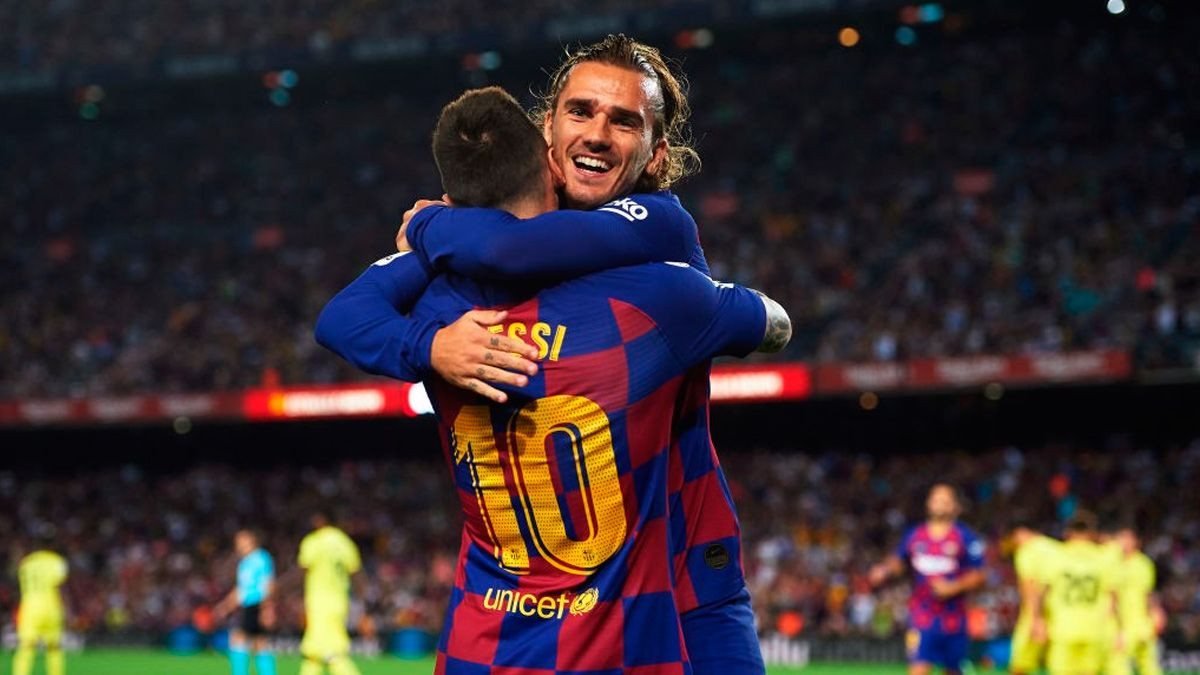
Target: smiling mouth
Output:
[(591, 166)]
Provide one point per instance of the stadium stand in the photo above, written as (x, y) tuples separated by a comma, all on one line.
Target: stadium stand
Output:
[(901, 201)]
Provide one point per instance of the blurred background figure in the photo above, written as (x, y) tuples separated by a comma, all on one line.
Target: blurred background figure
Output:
[(1140, 613), (252, 606), (330, 559), (1031, 562), (1076, 615), (946, 558), (40, 617)]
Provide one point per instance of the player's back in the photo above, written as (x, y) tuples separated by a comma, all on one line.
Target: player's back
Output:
[(565, 561), (329, 557), (1080, 577), (41, 573)]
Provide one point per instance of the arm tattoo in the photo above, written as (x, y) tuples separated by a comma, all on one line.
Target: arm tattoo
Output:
[(779, 326)]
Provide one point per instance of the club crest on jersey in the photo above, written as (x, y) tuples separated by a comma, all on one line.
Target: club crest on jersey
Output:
[(584, 602), (950, 548)]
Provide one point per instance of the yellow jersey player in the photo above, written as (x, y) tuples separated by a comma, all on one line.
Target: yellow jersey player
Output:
[(329, 557), (1078, 602), (1141, 615), (1031, 558), (40, 617)]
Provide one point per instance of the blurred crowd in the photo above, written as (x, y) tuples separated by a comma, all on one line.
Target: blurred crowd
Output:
[(159, 552), (70, 33), (978, 192)]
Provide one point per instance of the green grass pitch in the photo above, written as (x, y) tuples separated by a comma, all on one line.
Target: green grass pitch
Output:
[(154, 662)]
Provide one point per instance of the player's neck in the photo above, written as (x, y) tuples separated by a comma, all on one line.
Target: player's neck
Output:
[(531, 205), (939, 528)]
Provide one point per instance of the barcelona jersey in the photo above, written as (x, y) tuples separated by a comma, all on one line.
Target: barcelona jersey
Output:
[(704, 530), (930, 558), (362, 324), (566, 562)]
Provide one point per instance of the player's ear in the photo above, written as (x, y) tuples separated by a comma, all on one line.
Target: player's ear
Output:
[(548, 127), (658, 155), (556, 173)]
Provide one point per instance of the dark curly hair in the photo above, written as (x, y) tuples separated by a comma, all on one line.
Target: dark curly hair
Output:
[(671, 112)]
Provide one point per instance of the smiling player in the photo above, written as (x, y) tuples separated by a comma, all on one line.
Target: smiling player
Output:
[(600, 152)]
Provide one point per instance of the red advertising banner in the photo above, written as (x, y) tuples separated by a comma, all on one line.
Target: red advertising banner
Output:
[(973, 371), (790, 381), (367, 400), (730, 384)]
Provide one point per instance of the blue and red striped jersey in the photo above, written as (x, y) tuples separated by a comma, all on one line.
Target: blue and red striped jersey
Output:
[(362, 325), (946, 557), (705, 533), (567, 562)]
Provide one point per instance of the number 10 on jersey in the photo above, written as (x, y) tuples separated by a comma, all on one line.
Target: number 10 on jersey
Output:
[(526, 490)]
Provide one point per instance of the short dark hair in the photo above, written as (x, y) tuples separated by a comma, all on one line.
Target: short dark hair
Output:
[(487, 150), (672, 113)]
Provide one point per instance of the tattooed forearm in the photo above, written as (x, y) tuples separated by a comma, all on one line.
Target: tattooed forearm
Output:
[(779, 326)]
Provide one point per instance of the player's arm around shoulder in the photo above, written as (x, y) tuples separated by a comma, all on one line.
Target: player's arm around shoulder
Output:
[(493, 244)]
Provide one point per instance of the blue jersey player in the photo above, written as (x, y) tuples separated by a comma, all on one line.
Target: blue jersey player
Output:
[(353, 328), (250, 602), (615, 117), (946, 559)]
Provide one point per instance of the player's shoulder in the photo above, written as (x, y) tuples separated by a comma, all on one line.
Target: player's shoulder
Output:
[(389, 259), (1043, 547), (43, 558), (973, 543), (641, 206), (965, 531), (912, 533), (648, 281)]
